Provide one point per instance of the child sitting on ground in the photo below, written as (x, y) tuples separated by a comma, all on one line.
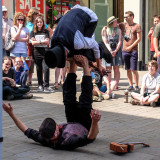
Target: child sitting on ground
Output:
[(101, 90), (21, 71)]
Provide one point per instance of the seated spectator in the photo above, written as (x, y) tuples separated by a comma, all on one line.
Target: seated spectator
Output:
[(150, 89), (10, 91), (103, 91), (21, 71)]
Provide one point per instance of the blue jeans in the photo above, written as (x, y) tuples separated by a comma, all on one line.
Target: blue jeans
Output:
[(23, 78), (17, 92)]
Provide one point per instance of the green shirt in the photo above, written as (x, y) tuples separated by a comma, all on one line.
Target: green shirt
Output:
[(156, 33)]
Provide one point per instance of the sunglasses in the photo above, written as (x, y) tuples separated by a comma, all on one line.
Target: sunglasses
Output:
[(35, 13), (126, 17), (20, 19)]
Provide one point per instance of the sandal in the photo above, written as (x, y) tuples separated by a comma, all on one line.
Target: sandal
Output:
[(96, 99), (29, 83), (56, 85)]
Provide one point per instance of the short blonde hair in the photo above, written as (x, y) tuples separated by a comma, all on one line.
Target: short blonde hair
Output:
[(17, 14), (153, 63), (31, 12)]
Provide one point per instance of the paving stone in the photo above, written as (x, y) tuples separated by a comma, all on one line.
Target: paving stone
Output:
[(120, 122)]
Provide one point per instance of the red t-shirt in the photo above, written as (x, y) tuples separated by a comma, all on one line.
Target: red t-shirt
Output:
[(151, 37)]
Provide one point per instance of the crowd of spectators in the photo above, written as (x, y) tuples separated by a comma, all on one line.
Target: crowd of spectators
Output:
[(32, 36)]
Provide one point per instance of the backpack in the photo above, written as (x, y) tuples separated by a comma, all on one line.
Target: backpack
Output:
[(9, 44)]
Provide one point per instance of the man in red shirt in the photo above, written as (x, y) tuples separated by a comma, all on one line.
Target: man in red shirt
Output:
[(151, 37)]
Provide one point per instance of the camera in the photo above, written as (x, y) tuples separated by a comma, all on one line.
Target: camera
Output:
[(126, 38), (106, 72), (113, 45)]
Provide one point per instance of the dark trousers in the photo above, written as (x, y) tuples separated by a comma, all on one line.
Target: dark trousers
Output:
[(23, 78), (78, 111), (41, 66), (17, 92)]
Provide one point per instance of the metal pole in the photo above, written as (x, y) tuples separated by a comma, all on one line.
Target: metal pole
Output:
[(1, 139)]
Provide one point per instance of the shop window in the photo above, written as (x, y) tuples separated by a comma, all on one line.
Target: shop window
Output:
[(57, 7)]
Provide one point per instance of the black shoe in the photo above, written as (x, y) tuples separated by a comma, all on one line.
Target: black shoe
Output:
[(137, 89), (27, 96), (153, 104), (130, 89)]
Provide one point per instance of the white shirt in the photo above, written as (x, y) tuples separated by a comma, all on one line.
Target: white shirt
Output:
[(151, 82)]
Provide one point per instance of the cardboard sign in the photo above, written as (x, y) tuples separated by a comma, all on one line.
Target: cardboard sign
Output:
[(25, 5)]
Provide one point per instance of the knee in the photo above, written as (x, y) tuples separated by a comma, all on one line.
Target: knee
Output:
[(134, 71), (6, 88), (24, 74), (116, 68)]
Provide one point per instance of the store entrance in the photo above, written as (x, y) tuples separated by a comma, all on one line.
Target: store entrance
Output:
[(57, 7)]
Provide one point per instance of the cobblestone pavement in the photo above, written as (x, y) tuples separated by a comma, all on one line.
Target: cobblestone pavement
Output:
[(120, 122)]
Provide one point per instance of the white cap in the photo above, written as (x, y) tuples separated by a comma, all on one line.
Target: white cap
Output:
[(4, 8)]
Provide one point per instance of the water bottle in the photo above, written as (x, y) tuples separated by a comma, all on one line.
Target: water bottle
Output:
[(126, 96)]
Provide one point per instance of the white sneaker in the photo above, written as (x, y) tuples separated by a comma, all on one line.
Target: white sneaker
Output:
[(48, 89), (112, 96), (40, 89)]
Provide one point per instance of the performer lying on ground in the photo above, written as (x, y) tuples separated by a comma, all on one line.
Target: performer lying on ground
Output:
[(82, 121)]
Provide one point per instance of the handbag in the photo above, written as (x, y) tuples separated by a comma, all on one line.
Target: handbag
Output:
[(9, 44)]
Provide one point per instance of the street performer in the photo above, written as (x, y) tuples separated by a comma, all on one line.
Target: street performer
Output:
[(74, 36), (82, 121)]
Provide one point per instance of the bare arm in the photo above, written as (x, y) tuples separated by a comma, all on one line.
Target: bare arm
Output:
[(16, 33), (107, 83), (94, 130), (149, 34), (50, 31), (37, 43), (104, 38), (23, 39), (155, 43), (119, 42), (8, 108)]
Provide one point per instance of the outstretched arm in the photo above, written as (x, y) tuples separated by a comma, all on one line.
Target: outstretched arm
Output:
[(8, 108), (93, 132)]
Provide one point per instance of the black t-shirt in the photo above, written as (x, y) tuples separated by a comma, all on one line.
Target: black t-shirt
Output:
[(10, 74), (39, 51)]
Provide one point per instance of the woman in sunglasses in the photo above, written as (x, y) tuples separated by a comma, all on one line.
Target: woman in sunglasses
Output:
[(20, 35)]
